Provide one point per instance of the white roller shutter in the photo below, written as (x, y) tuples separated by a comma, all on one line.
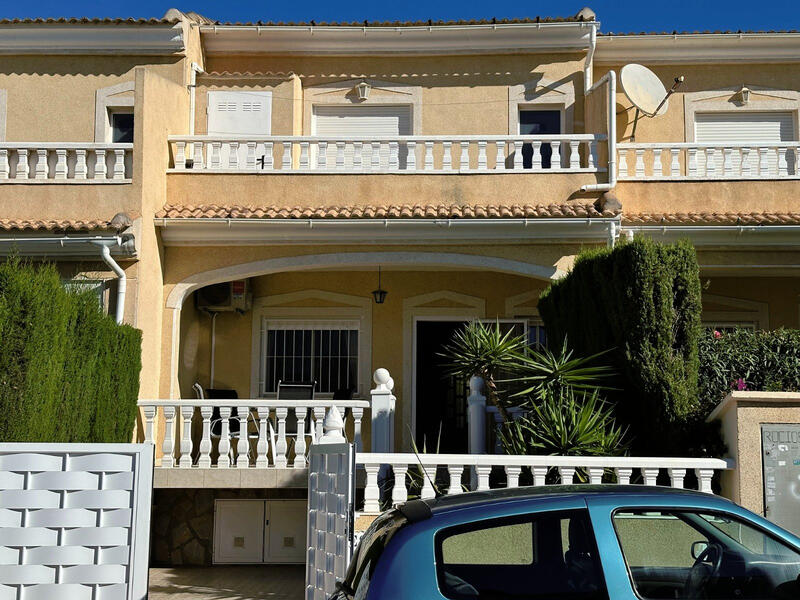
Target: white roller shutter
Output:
[(361, 121), (757, 128)]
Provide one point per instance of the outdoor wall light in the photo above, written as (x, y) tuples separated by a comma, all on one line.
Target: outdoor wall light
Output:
[(745, 92), (380, 294), (363, 89)]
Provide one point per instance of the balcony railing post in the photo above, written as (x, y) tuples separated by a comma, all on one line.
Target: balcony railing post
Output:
[(149, 418), (262, 447), (279, 452), (168, 447), (204, 460), (358, 414), (5, 168), (80, 164), (300, 442), (382, 410), (243, 443), (187, 412), (223, 460)]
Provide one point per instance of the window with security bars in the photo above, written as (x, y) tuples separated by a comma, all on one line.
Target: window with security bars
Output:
[(294, 353)]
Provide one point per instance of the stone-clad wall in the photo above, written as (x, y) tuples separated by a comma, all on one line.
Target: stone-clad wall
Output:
[(183, 521)]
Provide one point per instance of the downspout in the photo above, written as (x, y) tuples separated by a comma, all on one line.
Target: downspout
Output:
[(588, 65), (611, 78), (213, 347), (194, 70), (105, 254)]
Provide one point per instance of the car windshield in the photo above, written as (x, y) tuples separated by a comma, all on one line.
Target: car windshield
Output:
[(369, 550)]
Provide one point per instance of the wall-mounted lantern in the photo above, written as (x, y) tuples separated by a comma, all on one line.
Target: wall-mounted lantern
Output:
[(379, 295), (362, 90), (745, 94)]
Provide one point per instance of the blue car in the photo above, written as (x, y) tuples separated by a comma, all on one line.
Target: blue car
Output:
[(582, 542)]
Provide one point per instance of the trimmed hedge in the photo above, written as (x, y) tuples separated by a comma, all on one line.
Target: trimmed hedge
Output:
[(68, 372), (642, 300), (748, 360)]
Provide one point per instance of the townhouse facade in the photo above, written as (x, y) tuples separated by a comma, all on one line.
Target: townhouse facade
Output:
[(275, 203)]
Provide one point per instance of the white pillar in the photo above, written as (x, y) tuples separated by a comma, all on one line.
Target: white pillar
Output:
[(476, 416), (382, 412)]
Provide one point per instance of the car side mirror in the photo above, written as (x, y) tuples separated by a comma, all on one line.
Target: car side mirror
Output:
[(698, 548)]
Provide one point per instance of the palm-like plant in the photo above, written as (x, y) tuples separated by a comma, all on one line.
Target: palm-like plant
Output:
[(566, 423), (480, 350), (544, 372)]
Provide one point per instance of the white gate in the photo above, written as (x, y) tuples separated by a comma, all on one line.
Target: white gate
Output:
[(75, 521), (331, 497)]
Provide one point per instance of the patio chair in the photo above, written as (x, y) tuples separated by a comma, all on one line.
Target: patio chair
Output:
[(233, 421), (290, 390)]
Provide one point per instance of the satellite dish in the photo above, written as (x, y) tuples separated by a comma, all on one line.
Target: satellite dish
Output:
[(644, 89)]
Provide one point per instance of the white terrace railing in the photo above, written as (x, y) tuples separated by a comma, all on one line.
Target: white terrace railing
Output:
[(206, 433), (687, 161), (35, 162), (575, 153), (392, 478)]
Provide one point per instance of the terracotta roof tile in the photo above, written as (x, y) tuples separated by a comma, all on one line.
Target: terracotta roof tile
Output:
[(712, 218), (54, 225), (392, 211)]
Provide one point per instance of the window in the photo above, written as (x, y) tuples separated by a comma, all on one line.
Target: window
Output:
[(121, 128), (538, 122), (537, 335), (543, 556), (325, 352), (692, 554), (95, 286)]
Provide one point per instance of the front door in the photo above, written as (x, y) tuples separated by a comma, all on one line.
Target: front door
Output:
[(441, 411)]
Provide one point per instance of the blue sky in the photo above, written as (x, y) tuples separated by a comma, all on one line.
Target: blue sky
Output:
[(619, 16)]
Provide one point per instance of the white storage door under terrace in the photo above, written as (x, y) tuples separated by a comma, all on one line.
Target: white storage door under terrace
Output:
[(757, 128), (75, 521), (330, 122)]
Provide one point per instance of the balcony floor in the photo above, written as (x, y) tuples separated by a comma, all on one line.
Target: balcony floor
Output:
[(251, 582)]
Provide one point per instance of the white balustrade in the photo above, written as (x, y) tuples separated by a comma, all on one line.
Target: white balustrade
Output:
[(240, 434), (574, 153), (34, 162), (429, 475), (682, 161)]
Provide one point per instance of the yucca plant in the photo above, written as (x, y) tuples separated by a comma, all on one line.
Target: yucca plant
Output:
[(566, 423), (480, 350), (542, 372)]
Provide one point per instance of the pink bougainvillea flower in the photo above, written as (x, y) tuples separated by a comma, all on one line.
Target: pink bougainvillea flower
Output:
[(717, 334), (739, 385)]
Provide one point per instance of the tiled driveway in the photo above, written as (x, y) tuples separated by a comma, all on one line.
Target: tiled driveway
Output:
[(258, 582)]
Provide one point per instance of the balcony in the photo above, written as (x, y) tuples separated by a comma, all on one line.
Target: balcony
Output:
[(575, 153), (201, 444), (78, 163), (699, 162)]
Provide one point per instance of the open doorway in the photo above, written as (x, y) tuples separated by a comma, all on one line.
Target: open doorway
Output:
[(441, 399)]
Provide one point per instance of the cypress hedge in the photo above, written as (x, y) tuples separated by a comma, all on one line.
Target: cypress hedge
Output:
[(68, 372), (641, 301)]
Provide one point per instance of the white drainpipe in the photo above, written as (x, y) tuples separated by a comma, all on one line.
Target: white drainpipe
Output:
[(588, 65), (611, 78), (194, 70), (105, 254)]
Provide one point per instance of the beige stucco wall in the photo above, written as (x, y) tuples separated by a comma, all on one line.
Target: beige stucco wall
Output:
[(669, 127), (52, 98), (780, 294), (741, 415), (337, 190), (460, 94)]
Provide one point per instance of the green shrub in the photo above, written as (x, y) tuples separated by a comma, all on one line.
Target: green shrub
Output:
[(641, 300), (68, 372), (747, 360)]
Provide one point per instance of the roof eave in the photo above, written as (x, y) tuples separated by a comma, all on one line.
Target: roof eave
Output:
[(698, 48), (571, 36)]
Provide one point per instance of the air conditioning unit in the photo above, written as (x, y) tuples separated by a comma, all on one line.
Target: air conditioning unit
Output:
[(228, 296)]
